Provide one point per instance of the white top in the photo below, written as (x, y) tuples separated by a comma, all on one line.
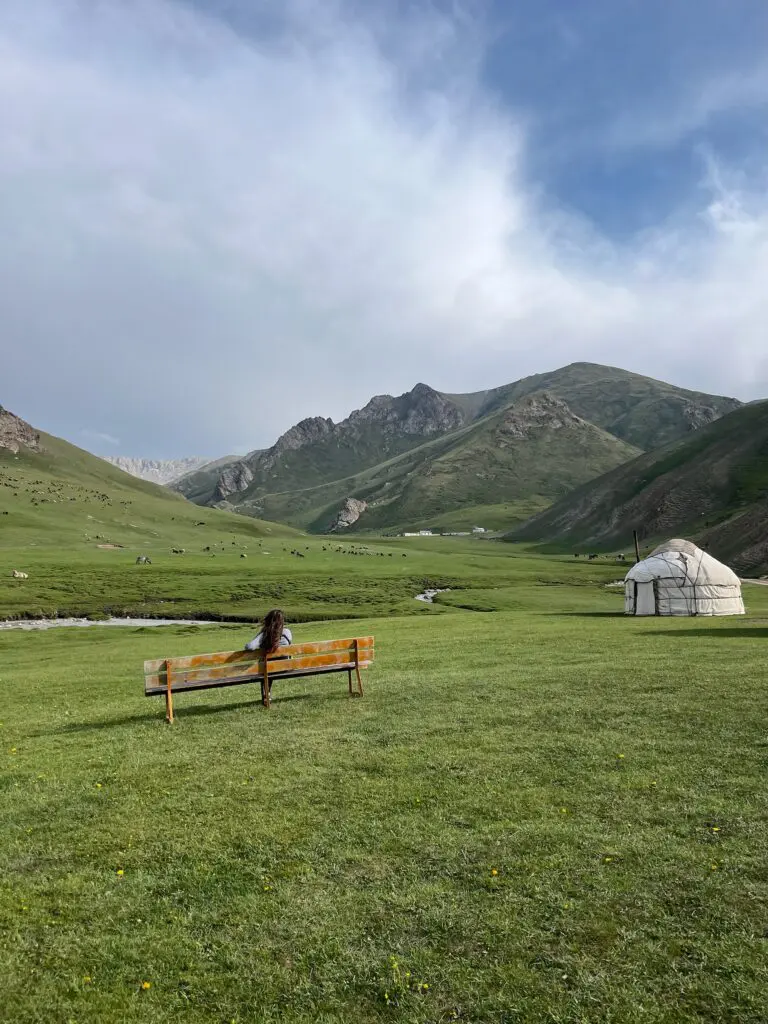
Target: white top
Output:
[(685, 565), (285, 641)]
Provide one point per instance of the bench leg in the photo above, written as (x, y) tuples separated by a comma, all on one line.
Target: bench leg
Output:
[(168, 695), (349, 673), (359, 682)]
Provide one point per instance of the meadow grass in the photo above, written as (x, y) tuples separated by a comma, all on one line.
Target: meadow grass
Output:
[(540, 812), (334, 578)]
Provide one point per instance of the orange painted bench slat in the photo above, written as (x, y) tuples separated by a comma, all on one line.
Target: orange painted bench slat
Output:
[(231, 668)]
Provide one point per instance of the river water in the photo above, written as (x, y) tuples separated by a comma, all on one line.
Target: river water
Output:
[(29, 624)]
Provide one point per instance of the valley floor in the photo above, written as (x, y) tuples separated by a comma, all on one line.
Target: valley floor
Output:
[(540, 810)]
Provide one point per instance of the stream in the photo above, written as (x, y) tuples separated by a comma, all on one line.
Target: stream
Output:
[(29, 624)]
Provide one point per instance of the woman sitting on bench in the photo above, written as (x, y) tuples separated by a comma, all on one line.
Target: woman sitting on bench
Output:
[(273, 634)]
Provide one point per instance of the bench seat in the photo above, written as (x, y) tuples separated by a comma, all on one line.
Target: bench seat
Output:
[(168, 676)]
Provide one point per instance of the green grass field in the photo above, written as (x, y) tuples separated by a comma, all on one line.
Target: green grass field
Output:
[(540, 810)]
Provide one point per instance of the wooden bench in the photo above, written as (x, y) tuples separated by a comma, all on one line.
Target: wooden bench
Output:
[(168, 676)]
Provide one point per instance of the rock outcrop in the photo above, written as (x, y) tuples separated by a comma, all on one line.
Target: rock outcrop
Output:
[(16, 433), (233, 479), (348, 514), (535, 412)]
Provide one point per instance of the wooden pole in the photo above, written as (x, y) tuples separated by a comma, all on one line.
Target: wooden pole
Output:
[(168, 694), (637, 546)]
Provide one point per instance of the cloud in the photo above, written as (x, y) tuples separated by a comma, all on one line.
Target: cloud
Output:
[(213, 228), (695, 109)]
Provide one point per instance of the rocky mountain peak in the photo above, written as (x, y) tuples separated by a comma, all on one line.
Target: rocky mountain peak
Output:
[(16, 433), (421, 411), (307, 431)]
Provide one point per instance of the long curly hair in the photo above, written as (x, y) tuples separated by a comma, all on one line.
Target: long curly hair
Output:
[(272, 631)]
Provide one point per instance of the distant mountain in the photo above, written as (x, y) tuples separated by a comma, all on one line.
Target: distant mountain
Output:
[(159, 471), (426, 454), (711, 486)]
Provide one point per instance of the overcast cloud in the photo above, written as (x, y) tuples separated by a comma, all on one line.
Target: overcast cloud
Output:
[(211, 228)]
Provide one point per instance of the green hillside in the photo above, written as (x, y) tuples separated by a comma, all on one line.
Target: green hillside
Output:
[(60, 496), (531, 454), (646, 413), (712, 486), (425, 455)]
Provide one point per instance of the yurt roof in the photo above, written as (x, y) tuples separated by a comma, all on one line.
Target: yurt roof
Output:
[(683, 562), (686, 546)]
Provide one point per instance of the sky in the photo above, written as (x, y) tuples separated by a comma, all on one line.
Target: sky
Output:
[(218, 217)]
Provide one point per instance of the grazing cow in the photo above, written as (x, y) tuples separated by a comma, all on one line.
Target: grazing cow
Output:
[(143, 560), (243, 556), (177, 551), (20, 575)]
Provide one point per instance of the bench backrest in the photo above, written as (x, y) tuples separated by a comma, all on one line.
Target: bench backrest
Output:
[(201, 671)]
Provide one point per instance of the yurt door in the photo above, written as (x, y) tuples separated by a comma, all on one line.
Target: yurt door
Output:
[(645, 599)]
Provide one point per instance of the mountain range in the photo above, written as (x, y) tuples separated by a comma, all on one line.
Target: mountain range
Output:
[(428, 458), (159, 471), (576, 458)]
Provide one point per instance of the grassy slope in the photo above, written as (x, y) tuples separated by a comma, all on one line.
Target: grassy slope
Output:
[(707, 485), (68, 499), (541, 813)]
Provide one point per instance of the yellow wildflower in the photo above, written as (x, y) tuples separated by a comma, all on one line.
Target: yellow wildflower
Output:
[(494, 871), (146, 985), (120, 872), (87, 979)]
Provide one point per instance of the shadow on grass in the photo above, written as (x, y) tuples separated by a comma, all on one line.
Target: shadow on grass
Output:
[(588, 615), (715, 633), (198, 711)]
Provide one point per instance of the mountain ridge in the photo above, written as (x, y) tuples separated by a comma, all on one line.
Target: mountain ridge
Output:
[(636, 411)]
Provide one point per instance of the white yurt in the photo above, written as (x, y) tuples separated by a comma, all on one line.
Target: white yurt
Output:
[(677, 578)]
